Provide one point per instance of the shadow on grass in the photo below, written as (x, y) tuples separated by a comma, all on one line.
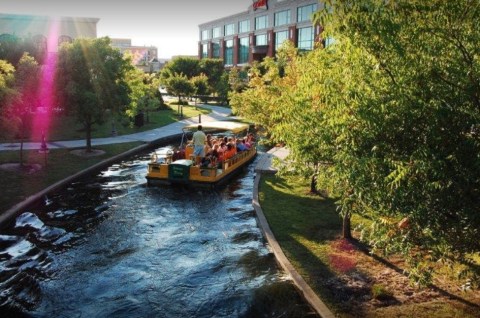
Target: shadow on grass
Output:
[(305, 225)]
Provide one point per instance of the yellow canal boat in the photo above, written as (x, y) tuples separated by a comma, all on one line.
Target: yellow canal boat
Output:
[(182, 167)]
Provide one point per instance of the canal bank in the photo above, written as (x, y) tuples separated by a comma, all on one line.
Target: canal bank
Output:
[(264, 166)]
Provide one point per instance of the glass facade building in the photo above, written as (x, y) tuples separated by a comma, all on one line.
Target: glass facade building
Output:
[(260, 31)]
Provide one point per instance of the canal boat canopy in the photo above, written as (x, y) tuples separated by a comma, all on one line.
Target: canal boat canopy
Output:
[(179, 167)]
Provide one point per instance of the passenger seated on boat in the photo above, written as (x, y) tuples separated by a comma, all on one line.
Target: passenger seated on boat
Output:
[(210, 160), (209, 141), (240, 145), (230, 152), (247, 145), (250, 139)]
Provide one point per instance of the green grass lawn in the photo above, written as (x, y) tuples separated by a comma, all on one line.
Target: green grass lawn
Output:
[(309, 229), (16, 186), (61, 163), (67, 128)]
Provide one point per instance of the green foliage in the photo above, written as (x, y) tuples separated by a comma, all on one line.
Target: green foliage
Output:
[(9, 96), (12, 48), (389, 117), (237, 79), (179, 85), (187, 66), (213, 70), (90, 80), (222, 88), (200, 84)]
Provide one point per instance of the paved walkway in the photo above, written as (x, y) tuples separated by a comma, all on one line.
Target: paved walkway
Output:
[(218, 113)]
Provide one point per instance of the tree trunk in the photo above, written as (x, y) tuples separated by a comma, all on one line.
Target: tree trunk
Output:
[(347, 231), (313, 184)]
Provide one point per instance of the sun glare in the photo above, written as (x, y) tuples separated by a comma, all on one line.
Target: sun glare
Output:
[(43, 114)]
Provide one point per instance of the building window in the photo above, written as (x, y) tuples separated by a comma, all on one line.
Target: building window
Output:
[(280, 37), (244, 26), (216, 32), (216, 50), (305, 13), (229, 29), (228, 58), (204, 50), (305, 38), (261, 39), (205, 35), (282, 17), (261, 22), (243, 51)]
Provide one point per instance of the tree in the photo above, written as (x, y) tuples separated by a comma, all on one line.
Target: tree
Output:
[(179, 85), (406, 135), (390, 114), (237, 80), (214, 70), (27, 81), (91, 80), (8, 97), (13, 47), (200, 84), (187, 66)]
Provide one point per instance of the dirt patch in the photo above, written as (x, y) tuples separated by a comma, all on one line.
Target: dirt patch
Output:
[(358, 275), (84, 153), (18, 168)]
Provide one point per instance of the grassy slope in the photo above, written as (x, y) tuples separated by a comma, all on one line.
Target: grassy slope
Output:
[(309, 229)]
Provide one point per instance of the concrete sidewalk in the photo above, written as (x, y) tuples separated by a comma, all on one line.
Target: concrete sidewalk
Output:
[(218, 113)]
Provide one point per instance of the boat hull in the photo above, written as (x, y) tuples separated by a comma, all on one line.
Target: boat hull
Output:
[(183, 172)]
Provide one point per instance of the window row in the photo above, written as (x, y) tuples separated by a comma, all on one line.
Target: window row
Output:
[(304, 13), (305, 41)]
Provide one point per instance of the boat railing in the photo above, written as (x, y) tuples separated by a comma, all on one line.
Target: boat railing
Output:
[(238, 157)]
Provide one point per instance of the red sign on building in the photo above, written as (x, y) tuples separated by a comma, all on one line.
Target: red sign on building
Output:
[(260, 4)]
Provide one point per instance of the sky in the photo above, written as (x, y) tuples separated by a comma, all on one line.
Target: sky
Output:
[(171, 26)]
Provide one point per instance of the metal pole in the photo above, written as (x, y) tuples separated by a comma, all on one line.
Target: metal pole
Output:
[(199, 118)]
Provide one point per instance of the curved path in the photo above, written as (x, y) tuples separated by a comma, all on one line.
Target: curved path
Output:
[(218, 113)]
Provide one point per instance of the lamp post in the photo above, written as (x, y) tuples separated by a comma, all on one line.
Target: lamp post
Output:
[(44, 148)]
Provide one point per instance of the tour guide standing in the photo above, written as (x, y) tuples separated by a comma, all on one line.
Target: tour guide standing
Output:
[(199, 138)]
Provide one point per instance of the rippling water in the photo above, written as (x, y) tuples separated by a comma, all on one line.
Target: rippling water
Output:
[(113, 247)]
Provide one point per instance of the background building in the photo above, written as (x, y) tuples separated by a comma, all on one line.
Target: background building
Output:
[(144, 57), (47, 32), (252, 35)]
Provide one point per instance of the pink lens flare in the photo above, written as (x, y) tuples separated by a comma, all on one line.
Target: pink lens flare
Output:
[(42, 119)]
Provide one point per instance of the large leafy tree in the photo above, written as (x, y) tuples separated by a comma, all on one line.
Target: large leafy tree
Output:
[(213, 70), (179, 85), (390, 112), (187, 66), (409, 153), (27, 82), (90, 80)]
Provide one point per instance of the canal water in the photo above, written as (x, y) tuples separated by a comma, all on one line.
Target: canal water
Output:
[(111, 246)]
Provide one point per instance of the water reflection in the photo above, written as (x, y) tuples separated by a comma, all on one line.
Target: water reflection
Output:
[(112, 247)]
